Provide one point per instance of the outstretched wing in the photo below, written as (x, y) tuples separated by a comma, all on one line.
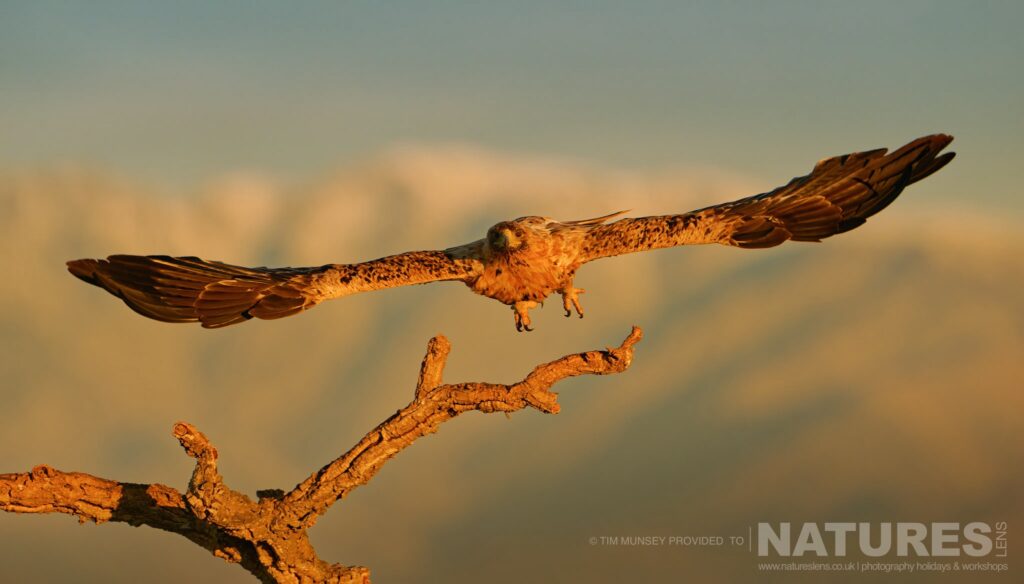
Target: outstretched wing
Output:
[(837, 196), (189, 289)]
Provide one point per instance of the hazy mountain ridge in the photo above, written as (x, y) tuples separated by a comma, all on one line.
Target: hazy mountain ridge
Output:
[(805, 382)]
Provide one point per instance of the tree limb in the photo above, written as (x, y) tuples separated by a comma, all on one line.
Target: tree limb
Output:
[(268, 537)]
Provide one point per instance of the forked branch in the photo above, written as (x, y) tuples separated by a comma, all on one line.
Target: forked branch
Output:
[(268, 537)]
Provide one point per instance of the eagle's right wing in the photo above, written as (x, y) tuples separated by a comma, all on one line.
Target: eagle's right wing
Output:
[(189, 289)]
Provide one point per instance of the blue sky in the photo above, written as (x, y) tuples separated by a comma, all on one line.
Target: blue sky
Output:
[(175, 94)]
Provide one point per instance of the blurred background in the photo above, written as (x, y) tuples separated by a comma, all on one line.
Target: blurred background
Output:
[(874, 377)]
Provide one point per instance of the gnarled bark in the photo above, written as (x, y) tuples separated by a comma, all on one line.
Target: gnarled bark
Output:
[(268, 537)]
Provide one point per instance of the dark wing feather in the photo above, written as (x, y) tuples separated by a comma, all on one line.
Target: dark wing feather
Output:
[(189, 289), (837, 196)]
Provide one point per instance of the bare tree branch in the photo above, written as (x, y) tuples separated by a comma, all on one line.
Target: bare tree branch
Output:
[(268, 537)]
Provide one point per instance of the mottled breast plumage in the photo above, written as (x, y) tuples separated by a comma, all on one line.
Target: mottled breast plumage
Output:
[(542, 260)]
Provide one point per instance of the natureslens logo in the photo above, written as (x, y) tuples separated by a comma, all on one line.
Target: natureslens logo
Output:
[(903, 539)]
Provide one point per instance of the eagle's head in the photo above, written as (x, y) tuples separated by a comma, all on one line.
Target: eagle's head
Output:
[(505, 237)]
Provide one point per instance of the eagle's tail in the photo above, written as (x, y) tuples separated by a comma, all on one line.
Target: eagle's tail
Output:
[(189, 289)]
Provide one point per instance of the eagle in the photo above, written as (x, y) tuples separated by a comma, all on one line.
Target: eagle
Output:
[(521, 262)]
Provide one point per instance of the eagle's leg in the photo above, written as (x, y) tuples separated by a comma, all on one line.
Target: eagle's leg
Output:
[(522, 314), (571, 299)]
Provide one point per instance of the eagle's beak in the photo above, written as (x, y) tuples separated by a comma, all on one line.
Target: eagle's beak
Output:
[(509, 239), (500, 239)]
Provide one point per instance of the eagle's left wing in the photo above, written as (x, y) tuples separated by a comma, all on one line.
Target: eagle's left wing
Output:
[(190, 289), (837, 196)]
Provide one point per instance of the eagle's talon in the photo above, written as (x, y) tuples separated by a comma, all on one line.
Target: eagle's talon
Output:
[(571, 299), (522, 314)]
